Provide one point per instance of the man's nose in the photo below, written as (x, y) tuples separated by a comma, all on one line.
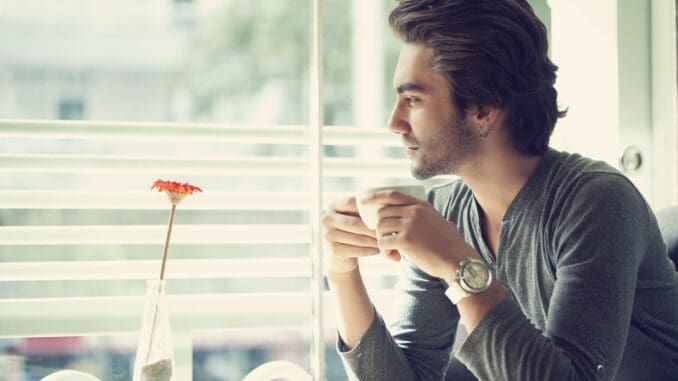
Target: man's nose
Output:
[(397, 123)]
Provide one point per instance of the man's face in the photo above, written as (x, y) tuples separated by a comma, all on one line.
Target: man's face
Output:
[(435, 133)]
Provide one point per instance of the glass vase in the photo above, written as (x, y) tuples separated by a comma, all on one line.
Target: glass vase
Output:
[(155, 355)]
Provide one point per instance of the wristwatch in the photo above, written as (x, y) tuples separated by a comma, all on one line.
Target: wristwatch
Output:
[(473, 277)]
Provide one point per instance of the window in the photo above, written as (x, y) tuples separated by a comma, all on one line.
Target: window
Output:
[(217, 97)]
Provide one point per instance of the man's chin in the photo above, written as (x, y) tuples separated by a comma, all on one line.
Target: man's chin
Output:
[(423, 172), (420, 173)]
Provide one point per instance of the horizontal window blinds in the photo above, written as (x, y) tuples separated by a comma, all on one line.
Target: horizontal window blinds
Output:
[(80, 228)]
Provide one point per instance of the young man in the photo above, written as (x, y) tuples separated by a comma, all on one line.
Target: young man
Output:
[(553, 262)]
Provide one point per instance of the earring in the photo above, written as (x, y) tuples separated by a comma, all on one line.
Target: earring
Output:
[(483, 133)]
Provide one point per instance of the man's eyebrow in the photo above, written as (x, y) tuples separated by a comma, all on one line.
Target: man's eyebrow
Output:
[(409, 86)]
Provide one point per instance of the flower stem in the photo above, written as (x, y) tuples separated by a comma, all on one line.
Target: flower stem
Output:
[(167, 240)]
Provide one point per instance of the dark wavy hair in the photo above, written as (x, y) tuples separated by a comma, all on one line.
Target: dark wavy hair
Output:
[(493, 53)]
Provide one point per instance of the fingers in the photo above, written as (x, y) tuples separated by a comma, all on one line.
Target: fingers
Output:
[(390, 241), (342, 250), (343, 257), (346, 236), (350, 239), (395, 219), (406, 212), (389, 226), (347, 222), (394, 233)]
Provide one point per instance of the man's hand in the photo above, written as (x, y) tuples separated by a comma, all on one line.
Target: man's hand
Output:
[(346, 236), (414, 227)]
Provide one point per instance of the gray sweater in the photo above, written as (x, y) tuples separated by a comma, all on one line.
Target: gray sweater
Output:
[(594, 295)]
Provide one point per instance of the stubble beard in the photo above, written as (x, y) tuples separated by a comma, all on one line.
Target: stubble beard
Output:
[(447, 152)]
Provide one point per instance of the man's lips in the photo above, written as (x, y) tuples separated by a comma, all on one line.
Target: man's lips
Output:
[(410, 147)]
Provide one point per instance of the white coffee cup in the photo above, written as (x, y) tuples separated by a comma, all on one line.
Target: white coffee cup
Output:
[(368, 213)]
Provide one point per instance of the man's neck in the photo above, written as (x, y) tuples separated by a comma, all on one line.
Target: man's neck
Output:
[(496, 177)]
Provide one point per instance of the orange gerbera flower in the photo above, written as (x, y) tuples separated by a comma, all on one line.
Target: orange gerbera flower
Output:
[(175, 192)]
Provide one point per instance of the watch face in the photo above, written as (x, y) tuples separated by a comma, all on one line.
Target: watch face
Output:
[(475, 275)]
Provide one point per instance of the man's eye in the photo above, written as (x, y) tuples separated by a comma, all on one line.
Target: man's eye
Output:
[(411, 100)]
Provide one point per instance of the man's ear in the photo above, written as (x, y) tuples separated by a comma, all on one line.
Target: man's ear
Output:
[(483, 118)]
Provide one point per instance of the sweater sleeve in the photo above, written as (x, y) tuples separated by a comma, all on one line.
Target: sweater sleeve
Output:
[(598, 238), (417, 344)]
